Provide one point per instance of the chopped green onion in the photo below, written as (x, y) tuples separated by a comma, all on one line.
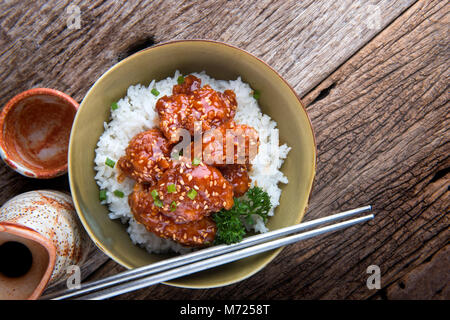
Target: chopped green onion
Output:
[(173, 206), (118, 193), (114, 105), (110, 163), (155, 92), (171, 188), (156, 200), (192, 194), (196, 161), (180, 80), (256, 94), (102, 195), (158, 203)]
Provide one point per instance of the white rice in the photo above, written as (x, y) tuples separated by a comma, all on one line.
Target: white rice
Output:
[(136, 113)]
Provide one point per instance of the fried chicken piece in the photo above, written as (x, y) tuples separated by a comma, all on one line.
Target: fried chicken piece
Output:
[(190, 84), (192, 234), (190, 105), (237, 175), (211, 108), (187, 192), (228, 144), (146, 157), (173, 112)]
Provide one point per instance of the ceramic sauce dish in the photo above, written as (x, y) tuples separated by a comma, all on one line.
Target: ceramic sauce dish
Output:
[(35, 128)]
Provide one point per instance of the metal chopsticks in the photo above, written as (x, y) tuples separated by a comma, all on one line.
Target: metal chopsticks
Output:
[(207, 258)]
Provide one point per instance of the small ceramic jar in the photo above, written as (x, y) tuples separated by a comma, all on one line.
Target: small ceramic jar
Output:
[(45, 223)]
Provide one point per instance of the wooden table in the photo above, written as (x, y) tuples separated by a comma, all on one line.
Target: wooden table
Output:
[(374, 76)]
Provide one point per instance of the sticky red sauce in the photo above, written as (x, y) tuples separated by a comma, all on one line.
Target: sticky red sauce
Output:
[(37, 132)]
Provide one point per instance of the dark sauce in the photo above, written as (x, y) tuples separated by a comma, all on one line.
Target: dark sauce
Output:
[(15, 259)]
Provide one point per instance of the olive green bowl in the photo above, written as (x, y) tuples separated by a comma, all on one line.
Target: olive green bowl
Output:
[(221, 61)]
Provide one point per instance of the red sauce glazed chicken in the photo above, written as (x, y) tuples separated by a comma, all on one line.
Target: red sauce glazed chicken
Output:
[(175, 198), (192, 103), (146, 157)]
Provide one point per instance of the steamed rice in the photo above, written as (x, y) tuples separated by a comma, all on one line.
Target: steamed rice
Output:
[(136, 113)]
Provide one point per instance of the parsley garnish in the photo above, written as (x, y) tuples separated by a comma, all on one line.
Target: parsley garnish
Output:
[(230, 225)]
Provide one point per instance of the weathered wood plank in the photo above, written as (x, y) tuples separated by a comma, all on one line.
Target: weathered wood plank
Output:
[(303, 40), (382, 134), (429, 280)]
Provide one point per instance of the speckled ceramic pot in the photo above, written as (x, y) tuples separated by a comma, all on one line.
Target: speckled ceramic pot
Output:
[(44, 221)]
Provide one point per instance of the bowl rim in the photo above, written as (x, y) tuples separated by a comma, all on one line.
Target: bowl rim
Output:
[(12, 103), (274, 252)]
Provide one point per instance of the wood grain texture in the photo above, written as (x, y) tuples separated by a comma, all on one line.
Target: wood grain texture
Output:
[(303, 40), (381, 123), (430, 279), (380, 120)]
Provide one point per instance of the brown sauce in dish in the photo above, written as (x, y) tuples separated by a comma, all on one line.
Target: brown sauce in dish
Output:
[(38, 131)]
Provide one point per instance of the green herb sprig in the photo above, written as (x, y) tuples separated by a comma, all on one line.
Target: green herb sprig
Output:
[(230, 225)]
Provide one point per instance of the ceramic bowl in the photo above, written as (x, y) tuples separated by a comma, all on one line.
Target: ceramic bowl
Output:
[(221, 61), (34, 132)]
